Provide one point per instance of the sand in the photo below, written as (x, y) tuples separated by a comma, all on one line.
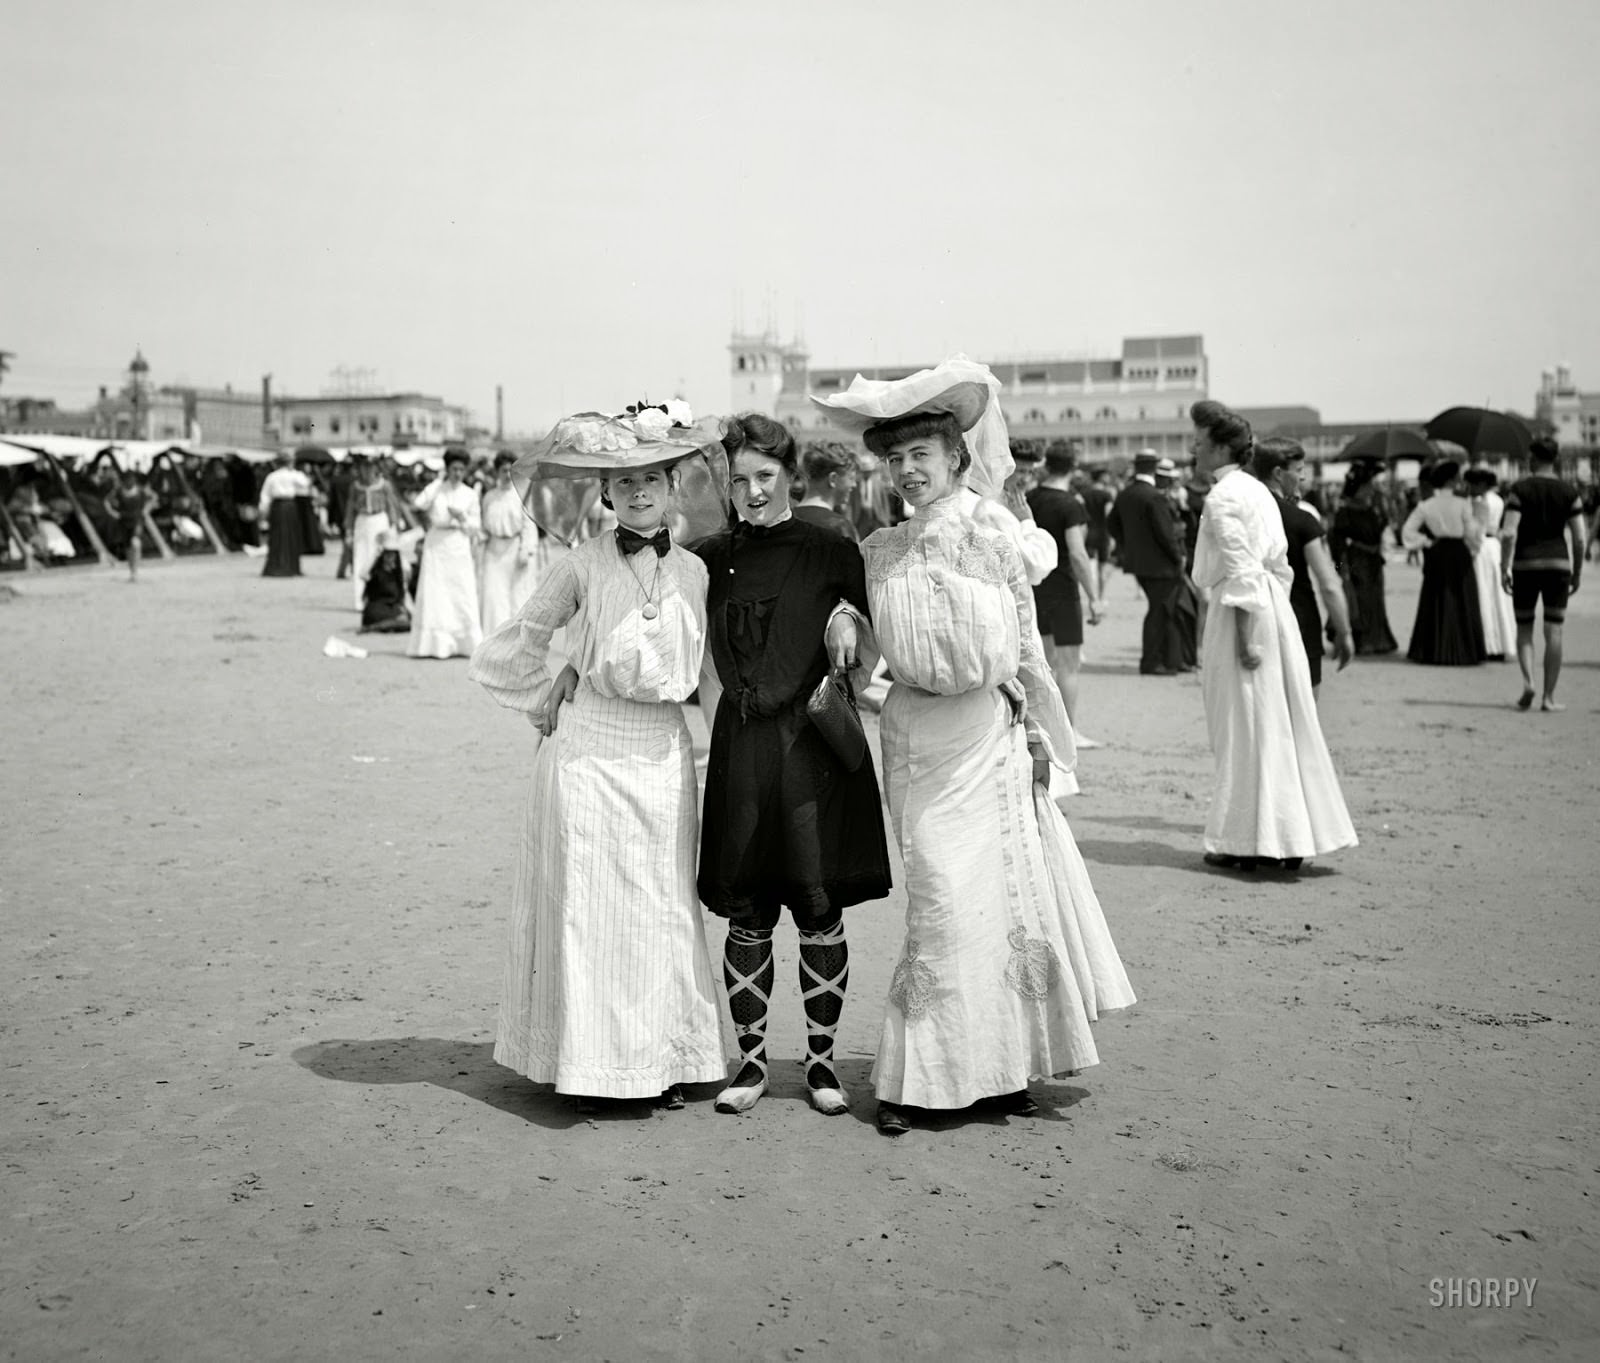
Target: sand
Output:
[(255, 901)]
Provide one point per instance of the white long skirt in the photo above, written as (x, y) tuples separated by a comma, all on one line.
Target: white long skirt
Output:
[(445, 623), (1276, 794), (1007, 957), (503, 583), (608, 987), (364, 537), (1494, 603)]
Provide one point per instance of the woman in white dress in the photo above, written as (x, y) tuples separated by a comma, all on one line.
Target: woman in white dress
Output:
[(1007, 959), (445, 624), (1277, 797), (1494, 602), (609, 990), (508, 570)]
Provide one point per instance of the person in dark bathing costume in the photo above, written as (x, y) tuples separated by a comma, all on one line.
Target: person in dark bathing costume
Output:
[(784, 824), (1356, 541)]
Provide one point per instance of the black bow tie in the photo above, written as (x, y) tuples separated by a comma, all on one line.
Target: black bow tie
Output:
[(744, 530), (631, 542)]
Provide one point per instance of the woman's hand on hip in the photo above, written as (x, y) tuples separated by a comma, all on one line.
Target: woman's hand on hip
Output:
[(562, 690)]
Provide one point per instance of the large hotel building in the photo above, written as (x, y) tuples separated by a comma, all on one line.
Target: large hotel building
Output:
[(1139, 399)]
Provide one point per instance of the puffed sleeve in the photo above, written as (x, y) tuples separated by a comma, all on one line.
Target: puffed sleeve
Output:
[(513, 663), (474, 521), (1235, 572), (1047, 721), (426, 498), (1035, 546), (849, 573), (1411, 536)]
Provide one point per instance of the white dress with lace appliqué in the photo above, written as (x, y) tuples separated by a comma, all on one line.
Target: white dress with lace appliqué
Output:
[(1276, 793), (1007, 957), (608, 986)]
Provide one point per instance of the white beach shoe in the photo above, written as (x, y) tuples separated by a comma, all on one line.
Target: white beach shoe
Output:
[(742, 1097), (830, 1102)]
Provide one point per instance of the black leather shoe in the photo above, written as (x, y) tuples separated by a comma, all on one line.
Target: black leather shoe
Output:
[(891, 1120)]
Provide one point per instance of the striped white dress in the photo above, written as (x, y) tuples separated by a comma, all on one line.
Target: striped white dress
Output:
[(608, 987)]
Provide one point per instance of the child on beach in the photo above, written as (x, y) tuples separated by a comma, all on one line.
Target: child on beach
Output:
[(128, 502)]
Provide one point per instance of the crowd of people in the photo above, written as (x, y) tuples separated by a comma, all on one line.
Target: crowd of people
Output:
[(948, 577), (968, 595)]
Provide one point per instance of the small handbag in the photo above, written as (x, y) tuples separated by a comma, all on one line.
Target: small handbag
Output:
[(832, 708)]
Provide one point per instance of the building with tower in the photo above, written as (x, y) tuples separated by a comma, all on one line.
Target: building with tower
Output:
[(1574, 415), (1114, 405)]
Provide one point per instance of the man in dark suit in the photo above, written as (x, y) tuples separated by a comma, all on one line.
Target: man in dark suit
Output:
[(1151, 546)]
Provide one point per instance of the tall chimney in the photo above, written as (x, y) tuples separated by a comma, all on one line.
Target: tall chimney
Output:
[(266, 399), (499, 413)]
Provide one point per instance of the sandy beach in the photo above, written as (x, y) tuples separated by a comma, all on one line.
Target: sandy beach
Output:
[(256, 900)]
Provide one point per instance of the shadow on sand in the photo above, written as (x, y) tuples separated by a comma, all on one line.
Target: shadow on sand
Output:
[(1149, 853), (467, 1067), (1146, 822)]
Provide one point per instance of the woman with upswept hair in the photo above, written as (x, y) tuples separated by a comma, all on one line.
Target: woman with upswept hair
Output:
[(1277, 797)]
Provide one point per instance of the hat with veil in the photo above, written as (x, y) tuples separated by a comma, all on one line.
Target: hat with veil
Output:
[(964, 388)]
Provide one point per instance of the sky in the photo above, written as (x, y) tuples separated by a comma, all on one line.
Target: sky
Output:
[(1376, 209)]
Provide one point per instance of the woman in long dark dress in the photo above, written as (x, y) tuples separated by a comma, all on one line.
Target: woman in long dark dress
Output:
[(784, 824), (1357, 544), (1449, 627), (280, 514)]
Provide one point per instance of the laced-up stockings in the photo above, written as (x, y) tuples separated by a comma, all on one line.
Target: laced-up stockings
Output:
[(747, 971), (824, 973)]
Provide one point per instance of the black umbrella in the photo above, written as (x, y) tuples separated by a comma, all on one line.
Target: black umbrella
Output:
[(312, 454), (1386, 443), (1480, 431)]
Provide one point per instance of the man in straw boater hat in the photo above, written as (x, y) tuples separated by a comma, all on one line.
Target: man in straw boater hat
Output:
[(608, 989), (1007, 959)]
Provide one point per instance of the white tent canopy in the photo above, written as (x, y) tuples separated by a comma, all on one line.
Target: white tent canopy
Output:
[(429, 456), (72, 447), (15, 456), (75, 449)]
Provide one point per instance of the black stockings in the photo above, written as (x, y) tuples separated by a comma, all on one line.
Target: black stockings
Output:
[(747, 970)]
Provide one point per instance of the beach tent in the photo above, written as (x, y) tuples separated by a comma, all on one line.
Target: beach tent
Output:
[(53, 452)]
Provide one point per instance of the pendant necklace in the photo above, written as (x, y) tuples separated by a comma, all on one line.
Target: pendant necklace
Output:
[(649, 608)]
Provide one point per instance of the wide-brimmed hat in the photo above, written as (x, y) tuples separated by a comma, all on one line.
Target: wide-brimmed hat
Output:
[(595, 445), (944, 388), (965, 389), (1165, 468)]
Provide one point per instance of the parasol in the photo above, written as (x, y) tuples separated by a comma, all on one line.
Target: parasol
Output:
[(1386, 443), (1481, 431)]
